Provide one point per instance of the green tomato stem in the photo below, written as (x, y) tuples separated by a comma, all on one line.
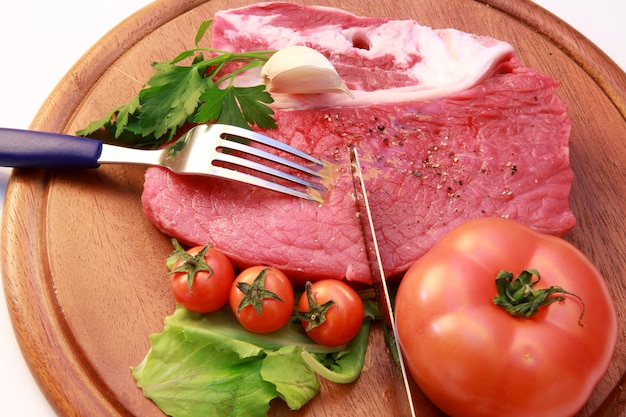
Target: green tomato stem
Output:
[(316, 314), (255, 293), (519, 298), (190, 264)]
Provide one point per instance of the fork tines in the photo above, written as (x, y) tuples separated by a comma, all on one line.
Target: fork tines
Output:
[(236, 154)]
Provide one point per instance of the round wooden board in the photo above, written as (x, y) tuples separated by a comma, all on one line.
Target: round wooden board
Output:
[(83, 269)]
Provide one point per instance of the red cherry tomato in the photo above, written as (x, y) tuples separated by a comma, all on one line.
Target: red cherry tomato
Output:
[(202, 283), (331, 312), (262, 299)]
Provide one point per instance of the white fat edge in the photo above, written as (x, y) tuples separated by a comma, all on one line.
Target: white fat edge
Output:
[(455, 60), (451, 60)]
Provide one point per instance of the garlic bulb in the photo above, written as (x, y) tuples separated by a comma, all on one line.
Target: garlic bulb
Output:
[(301, 70)]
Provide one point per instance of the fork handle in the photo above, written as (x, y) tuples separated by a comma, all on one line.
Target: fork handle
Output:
[(34, 149)]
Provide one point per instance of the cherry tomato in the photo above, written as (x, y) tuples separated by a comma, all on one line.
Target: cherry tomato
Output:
[(473, 358), (331, 312), (201, 278), (262, 299)]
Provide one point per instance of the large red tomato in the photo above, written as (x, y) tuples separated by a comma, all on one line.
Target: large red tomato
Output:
[(471, 357)]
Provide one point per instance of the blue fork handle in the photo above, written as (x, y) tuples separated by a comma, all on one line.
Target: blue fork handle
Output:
[(34, 149)]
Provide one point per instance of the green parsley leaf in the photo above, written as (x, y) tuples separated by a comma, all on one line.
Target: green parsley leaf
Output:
[(237, 106), (214, 100), (204, 26), (199, 92), (171, 98), (116, 119), (254, 100), (124, 114)]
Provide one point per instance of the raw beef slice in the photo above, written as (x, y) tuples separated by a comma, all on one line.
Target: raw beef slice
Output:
[(496, 148)]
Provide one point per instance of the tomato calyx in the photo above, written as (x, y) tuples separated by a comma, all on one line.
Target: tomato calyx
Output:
[(255, 293), (316, 314), (190, 264), (519, 298)]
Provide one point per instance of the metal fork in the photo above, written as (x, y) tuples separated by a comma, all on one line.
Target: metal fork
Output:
[(206, 146)]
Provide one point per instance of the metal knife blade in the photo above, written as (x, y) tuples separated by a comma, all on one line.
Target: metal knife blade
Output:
[(401, 379)]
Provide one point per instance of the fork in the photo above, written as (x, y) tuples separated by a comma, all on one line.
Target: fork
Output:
[(206, 146)]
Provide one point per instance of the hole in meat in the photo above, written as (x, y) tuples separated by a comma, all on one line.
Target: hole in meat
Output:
[(361, 41)]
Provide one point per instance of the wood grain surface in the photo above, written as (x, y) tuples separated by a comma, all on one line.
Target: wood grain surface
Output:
[(83, 269)]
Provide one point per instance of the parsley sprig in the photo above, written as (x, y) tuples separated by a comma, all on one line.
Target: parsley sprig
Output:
[(200, 92)]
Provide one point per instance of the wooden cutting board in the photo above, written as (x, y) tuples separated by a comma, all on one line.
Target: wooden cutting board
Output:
[(82, 267)]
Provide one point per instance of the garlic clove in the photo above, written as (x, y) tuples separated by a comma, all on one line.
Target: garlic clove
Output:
[(301, 70)]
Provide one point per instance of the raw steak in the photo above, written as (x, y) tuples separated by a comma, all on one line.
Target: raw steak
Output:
[(498, 147)]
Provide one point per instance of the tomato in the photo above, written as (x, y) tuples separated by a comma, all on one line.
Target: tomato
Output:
[(201, 278), (262, 299), (331, 312), (471, 357)]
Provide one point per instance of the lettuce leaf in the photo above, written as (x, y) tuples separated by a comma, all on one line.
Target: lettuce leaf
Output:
[(193, 378), (207, 364), (295, 382)]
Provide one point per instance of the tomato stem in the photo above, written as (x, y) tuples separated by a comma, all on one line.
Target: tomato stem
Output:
[(316, 314), (255, 293), (190, 264), (519, 298)]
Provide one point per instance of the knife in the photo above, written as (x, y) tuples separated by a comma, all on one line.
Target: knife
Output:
[(400, 376)]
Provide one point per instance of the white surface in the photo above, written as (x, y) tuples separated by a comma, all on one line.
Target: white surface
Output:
[(41, 40)]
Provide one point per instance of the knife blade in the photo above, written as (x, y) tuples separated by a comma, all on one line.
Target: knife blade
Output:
[(381, 289)]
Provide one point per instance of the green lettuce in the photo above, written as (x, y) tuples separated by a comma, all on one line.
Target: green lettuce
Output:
[(207, 364)]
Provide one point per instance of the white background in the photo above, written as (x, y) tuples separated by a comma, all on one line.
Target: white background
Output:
[(40, 40)]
